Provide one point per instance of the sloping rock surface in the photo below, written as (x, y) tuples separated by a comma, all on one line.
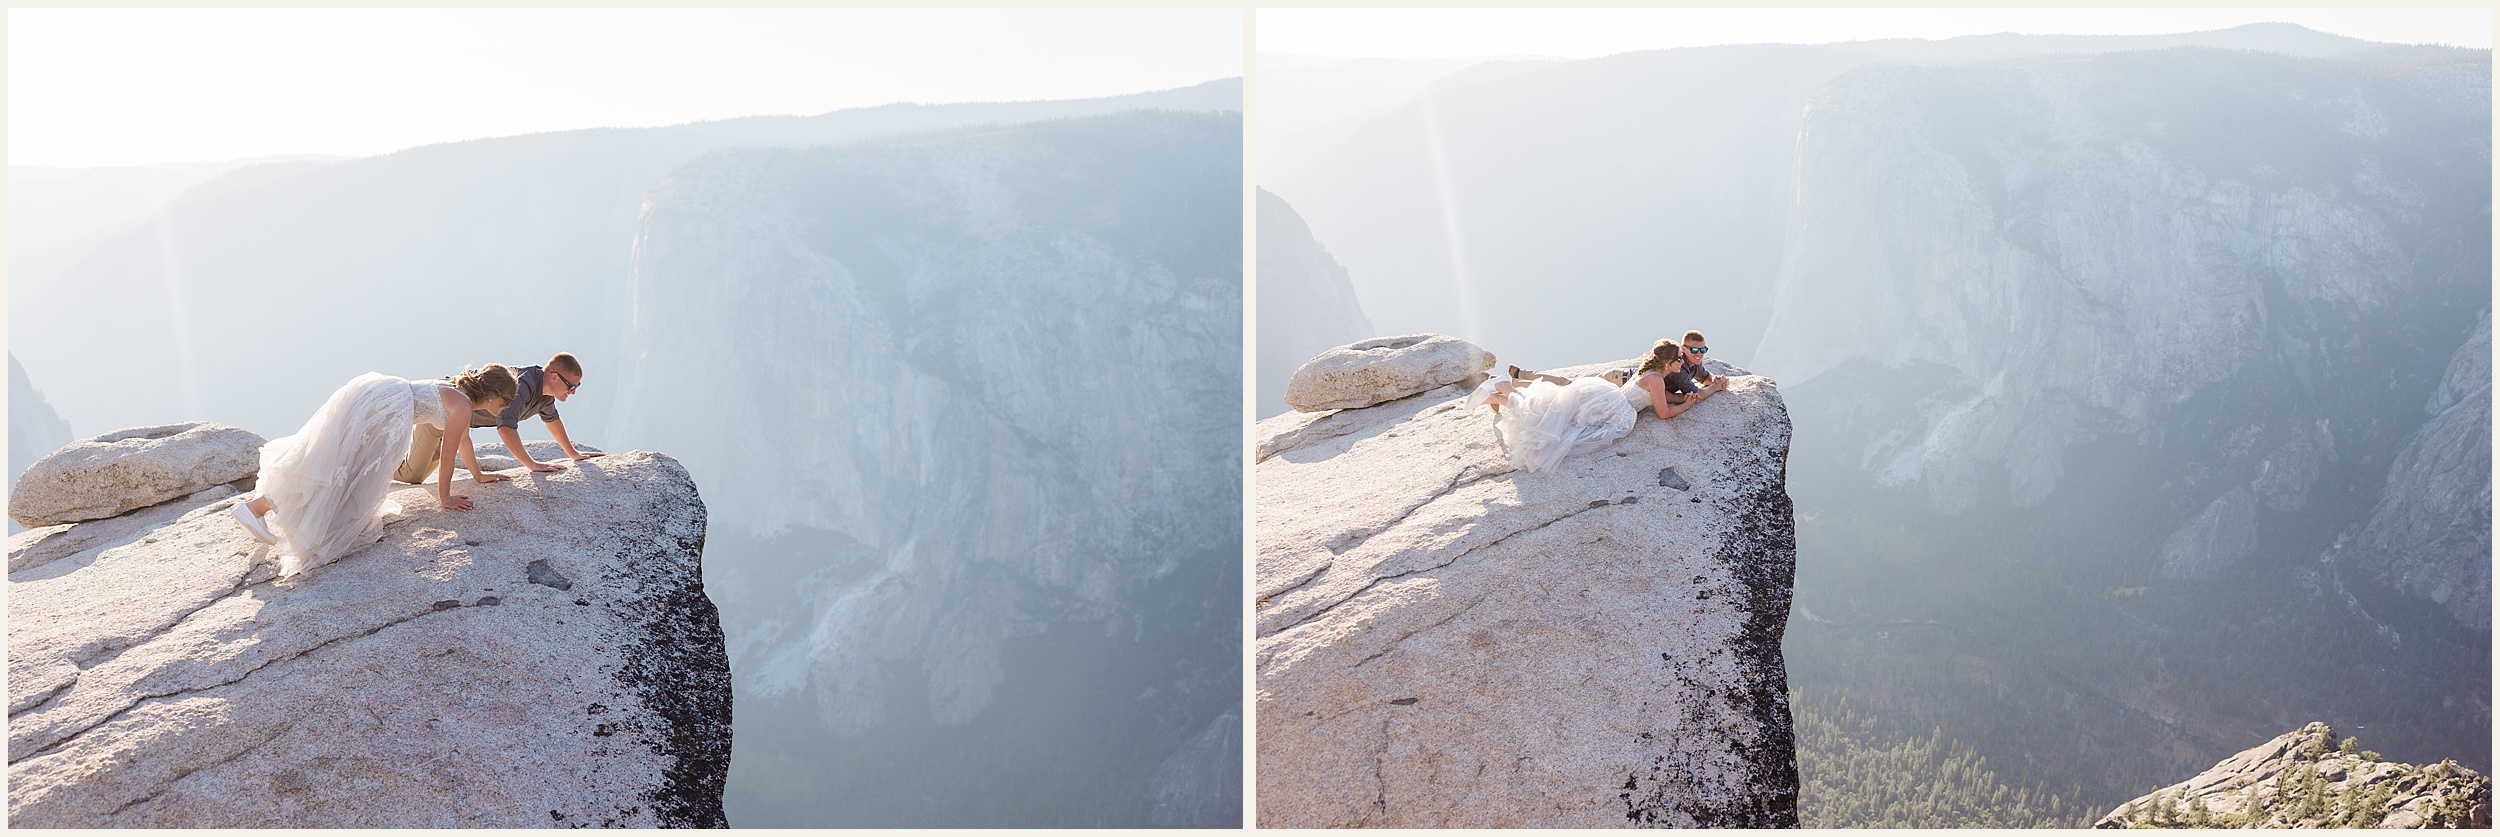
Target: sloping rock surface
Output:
[(2306, 779), (1446, 642), (159, 677), (103, 476)]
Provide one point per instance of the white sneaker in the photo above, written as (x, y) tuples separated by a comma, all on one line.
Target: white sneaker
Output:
[(252, 523)]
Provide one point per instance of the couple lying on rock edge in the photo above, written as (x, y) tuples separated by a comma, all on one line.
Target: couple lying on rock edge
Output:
[(324, 489), (1550, 418)]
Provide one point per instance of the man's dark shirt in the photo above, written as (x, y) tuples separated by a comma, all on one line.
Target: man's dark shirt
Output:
[(1680, 382), (534, 399)]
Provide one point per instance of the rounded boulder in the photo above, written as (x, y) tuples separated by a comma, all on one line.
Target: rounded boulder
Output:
[(104, 476), (1383, 369)]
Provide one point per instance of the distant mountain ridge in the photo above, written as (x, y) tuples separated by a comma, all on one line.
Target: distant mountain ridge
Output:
[(906, 117), (2282, 38)]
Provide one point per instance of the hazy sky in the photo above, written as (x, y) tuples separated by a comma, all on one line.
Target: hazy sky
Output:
[(1588, 33), (125, 86)]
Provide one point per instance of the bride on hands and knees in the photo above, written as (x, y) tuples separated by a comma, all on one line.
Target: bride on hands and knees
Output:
[(325, 489), (1544, 422)]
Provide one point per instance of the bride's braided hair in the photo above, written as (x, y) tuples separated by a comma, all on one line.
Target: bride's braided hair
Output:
[(494, 381), (1658, 356)]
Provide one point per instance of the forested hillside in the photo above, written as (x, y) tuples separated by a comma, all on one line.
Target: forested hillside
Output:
[(1857, 773)]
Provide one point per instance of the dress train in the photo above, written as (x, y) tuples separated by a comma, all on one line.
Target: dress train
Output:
[(331, 481)]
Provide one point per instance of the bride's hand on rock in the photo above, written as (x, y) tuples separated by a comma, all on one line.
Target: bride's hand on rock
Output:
[(545, 467), (483, 479), (457, 502)]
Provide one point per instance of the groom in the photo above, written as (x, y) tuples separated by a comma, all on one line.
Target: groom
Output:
[(541, 388)]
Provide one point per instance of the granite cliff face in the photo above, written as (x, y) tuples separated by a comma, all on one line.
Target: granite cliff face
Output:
[(1446, 642), (34, 429), (2088, 246), (2430, 534), (546, 659), (1306, 305), (981, 392)]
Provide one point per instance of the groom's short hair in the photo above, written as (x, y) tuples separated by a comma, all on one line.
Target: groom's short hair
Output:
[(1694, 337), (564, 362)]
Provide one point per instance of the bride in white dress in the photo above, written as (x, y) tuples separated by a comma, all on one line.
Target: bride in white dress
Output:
[(325, 489), (1547, 422)]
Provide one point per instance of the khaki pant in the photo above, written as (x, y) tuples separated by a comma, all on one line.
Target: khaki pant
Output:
[(425, 450)]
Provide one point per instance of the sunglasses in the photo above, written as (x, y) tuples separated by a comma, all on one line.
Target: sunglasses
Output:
[(570, 385), (1699, 350)]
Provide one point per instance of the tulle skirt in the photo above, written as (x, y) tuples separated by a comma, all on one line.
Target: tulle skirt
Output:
[(1546, 422), (331, 481)]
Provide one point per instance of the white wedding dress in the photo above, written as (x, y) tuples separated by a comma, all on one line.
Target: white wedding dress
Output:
[(1546, 422), (331, 481)]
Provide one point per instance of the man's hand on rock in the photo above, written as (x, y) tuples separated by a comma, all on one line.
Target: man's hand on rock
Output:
[(458, 502), (483, 479), (545, 467), (577, 457)]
